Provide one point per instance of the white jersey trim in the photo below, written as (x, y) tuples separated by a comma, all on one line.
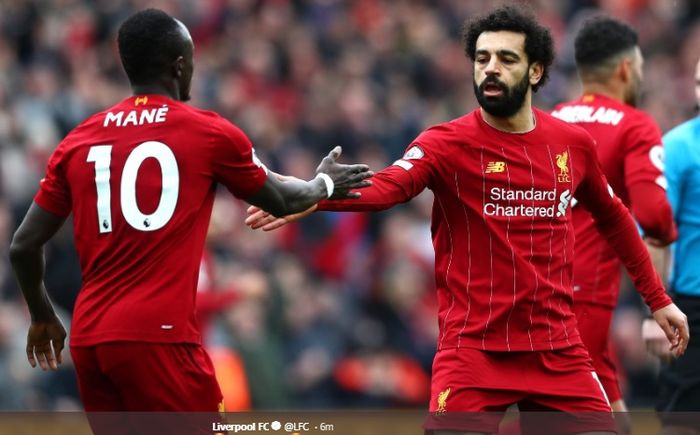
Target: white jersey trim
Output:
[(404, 164)]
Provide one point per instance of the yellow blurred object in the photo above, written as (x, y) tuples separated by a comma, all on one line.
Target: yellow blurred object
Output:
[(231, 376)]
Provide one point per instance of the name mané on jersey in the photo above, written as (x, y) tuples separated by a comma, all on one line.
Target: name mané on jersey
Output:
[(124, 118)]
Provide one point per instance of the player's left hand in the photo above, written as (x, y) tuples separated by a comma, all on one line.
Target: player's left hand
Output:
[(675, 325), (45, 341), (346, 178)]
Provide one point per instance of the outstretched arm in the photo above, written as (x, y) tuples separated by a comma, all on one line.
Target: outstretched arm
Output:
[(333, 180), (27, 257), (396, 184), (391, 186), (235, 165)]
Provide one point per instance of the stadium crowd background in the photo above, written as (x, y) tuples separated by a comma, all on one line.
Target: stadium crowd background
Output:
[(337, 311)]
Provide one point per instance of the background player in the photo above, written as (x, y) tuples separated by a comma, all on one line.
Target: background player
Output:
[(680, 379), (139, 180), (630, 150), (503, 176)]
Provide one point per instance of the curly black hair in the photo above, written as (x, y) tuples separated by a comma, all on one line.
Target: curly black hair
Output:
[(538, 41), (600, 39), (149, 41)]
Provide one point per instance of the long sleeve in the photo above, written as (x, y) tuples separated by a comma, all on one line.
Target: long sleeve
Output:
[(390, 186), (400, 182), (615, 223), (652, 210), (643, 163)]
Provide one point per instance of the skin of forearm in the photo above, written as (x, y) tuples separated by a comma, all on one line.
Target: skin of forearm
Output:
[(298, 196), (29, 265)]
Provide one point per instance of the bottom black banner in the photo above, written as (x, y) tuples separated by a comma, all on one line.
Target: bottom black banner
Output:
[(339, 423)]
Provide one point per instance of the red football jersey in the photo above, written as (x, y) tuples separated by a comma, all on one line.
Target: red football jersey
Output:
[(140, 179), (630, 151), (502, 228)]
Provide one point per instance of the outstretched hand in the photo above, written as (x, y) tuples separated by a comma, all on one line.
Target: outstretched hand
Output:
[(345, 177), (258, 218), (45, 341), (675, 326)]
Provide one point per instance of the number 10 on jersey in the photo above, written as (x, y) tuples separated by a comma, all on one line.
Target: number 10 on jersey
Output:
[(101, 156)]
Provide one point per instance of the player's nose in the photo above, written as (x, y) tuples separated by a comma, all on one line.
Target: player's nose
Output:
[(493, 67)]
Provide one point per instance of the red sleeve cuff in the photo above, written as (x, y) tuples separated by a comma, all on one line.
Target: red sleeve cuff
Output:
[(659, 302), (45, 201)]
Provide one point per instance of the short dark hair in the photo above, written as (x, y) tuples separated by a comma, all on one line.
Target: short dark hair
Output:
[(538, 41), (600, 39), (149, 41)]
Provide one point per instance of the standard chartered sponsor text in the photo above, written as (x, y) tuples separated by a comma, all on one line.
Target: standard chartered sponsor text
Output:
[(501, 202)]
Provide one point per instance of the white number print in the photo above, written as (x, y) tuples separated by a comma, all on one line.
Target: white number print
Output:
[(101, 155), (656, 155)]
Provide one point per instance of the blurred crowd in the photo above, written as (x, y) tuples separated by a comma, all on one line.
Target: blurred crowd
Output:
[(336, 311)]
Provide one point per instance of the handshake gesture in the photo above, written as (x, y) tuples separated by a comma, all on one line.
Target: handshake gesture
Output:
[(292, 198), (344, 177)]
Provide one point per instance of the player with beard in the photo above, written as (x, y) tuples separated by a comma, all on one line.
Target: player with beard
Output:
[(497, 99), (630, 150), (503, 177)]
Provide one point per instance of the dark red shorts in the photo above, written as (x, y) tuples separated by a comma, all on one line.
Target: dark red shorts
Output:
[(594, 326), (472, 388), (152, 377)]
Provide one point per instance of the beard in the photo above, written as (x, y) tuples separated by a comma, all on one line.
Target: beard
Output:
[(633, 93), (508, 103)]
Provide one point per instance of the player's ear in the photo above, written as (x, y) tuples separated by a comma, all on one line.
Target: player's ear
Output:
[(179, 66), (624, 69), (535, 73)]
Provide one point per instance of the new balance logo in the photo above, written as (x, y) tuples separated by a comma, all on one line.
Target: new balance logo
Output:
[(495, 167)]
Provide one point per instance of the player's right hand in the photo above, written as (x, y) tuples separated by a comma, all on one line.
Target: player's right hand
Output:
[(45, 341), (675, 325), (345, 177), (655, 339), (258, 218)]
